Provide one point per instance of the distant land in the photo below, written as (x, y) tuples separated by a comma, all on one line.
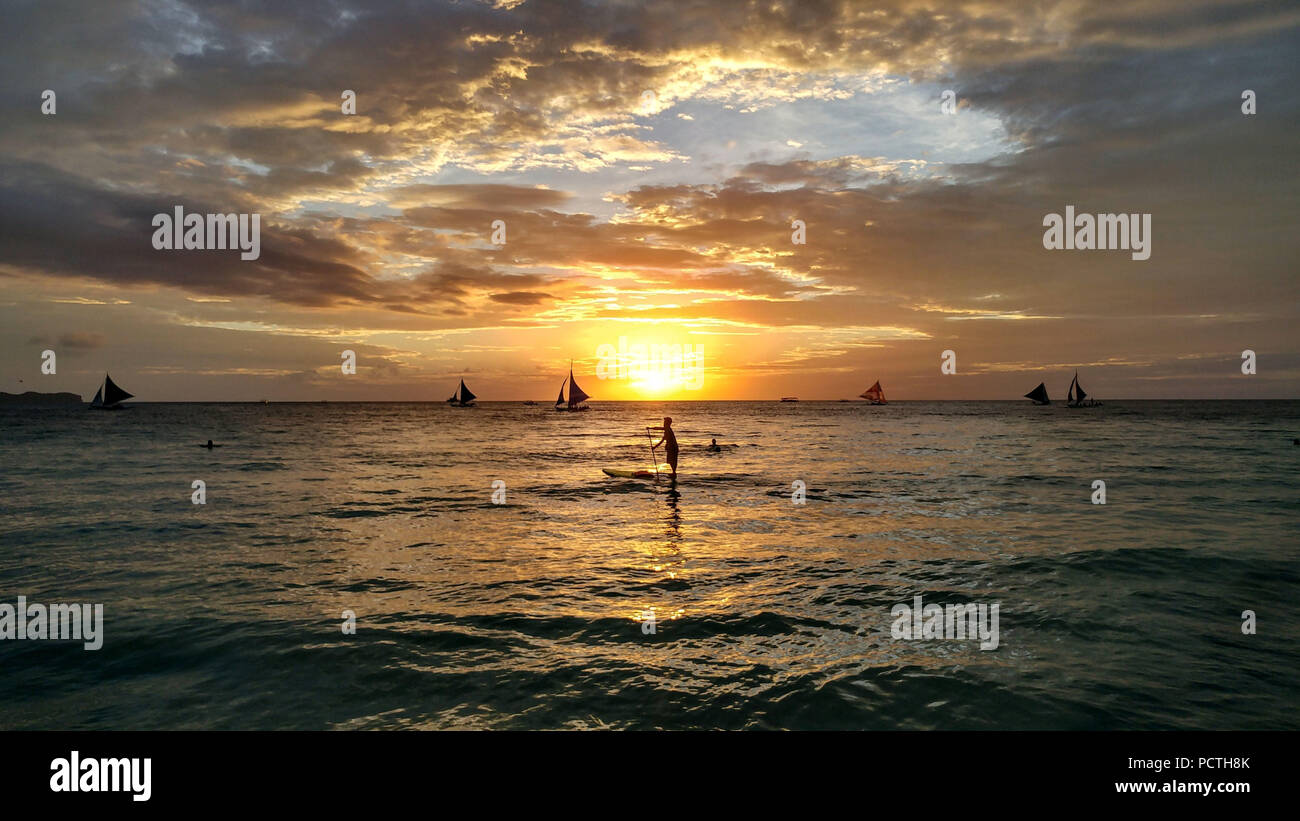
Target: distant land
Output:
[(37, 398)]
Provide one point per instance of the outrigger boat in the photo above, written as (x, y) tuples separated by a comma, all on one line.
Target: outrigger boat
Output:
[(1076, 398), (876, 394), (577, 396), (1039, 395), (462, 398), (109, 396)]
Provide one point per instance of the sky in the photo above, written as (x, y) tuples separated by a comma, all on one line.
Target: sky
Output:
[(649, 162)]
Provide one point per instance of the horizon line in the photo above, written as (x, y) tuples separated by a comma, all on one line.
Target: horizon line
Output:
[(653, 401)]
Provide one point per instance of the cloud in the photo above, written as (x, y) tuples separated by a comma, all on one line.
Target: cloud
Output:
[(81, 341), (529, 113), (476, 196), (73, 342), (521, 297)]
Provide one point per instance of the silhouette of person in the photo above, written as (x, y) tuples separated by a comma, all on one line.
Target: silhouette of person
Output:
[(669, 441)]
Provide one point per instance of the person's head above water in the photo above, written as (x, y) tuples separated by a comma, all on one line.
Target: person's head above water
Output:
[(714, 442), (209, 443)]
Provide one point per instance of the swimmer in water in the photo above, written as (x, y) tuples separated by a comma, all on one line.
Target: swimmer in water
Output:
[(714, 447), (209, 445)]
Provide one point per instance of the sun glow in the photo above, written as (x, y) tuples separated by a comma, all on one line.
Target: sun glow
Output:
[(653, 383)]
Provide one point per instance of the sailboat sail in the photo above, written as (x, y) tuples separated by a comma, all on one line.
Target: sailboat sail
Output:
[(112, 393), (576, 394), (1078, 397), (462, 396), (465, 395), (1069, 395), (1039, 395), (875, 393), (109, 395)]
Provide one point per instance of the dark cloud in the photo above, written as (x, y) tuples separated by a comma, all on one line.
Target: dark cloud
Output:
[(76, 341), (521, 298), (61, 226)]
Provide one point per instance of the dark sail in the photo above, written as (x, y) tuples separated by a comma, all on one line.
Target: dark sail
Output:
[(560, 399), (1078, 397), (1039, 395), (98, 401), (112, 393), (576, 394), (465, 395), (1069, 395)]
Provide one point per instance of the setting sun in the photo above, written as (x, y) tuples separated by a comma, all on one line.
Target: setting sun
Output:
[(653, 383)]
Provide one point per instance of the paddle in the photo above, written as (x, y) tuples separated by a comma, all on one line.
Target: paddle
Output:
[(653, 457)]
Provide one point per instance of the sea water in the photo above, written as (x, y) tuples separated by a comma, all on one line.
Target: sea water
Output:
[(495, 577)]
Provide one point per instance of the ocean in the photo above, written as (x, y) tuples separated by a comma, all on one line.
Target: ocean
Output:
[(585, 601)]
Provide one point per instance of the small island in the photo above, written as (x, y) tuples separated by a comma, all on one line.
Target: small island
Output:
[(35, 398)]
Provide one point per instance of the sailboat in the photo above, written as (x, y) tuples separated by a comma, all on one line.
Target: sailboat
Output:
[(876, 394), (109, 396), (462, 398), (1039, 395), (1076, 398), (576, 395)]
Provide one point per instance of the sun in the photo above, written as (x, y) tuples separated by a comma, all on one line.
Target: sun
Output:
[(652, 383)]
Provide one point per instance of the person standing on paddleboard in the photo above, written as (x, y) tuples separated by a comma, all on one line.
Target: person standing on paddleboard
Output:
[(669, 441)]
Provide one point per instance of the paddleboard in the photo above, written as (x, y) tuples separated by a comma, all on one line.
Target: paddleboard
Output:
[(641, 473)]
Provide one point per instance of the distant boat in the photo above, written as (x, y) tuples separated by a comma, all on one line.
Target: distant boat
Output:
[(1076, 398), (109, 396), (462, 398), (789, 399), (1039, 395), (576, 395), (876, 394), (529, 402)]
